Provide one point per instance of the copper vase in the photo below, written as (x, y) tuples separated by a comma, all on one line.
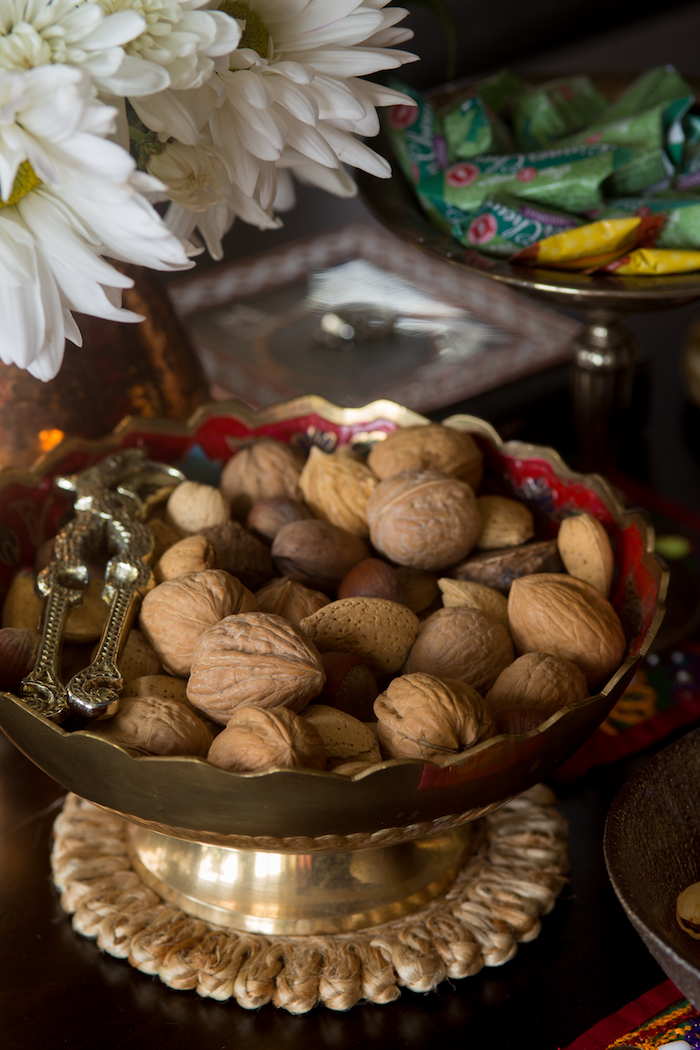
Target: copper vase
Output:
[(146, 369)]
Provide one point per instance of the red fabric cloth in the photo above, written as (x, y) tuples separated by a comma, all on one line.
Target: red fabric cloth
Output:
[(628, 1018)]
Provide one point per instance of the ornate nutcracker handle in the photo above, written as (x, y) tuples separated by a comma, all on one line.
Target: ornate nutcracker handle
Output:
[(108, 498)]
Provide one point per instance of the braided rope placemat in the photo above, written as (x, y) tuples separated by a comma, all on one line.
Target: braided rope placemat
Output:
[(512, 877)]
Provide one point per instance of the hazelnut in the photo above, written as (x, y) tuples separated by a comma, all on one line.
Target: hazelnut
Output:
[(193, 506), (431, 447), (241, 554), (193, 554), (175, 613), (317, 553), (156, 726), (163, 538), (566, 617), (538, 680), (256, 739), (504, 523), (377, 631), (254, 658), (434, 719), (372, 578), (350, 685), (344, 737), (267, 516), (474, 596), (263, 469), (337, 488), (290, 599), (585, 549), (18, 647), (423, 519), (461, 643), (420, 589), (499, 568)]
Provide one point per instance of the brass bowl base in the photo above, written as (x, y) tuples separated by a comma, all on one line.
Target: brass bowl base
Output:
[(297, 893)]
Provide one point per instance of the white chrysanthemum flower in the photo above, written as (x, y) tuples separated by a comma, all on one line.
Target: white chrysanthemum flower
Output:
[(192, 175), (68, 197), (292, 90), (178, 46)]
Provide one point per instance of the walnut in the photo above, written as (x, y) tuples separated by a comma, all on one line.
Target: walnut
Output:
[(431, 447), (264, 469), (423, 519), (377, 631), (344, 737), (193, 506), (474, 596), (586, 551), (499, 568), (86, 622), (257, 738), (461, 643), (193, 554), (290, 599), (566, 617), (317, 553), (538, 680), (156, 726), (504, 523), (241, 554), (254, 658), (269, 515), (688, 910), (175, 613), (434, 719), (337, 488)]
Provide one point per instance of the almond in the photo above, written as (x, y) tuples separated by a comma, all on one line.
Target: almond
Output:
[(378, 631), (585, 549)]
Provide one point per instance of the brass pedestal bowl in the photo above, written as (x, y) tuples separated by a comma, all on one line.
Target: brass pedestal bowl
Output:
[(604, 351), (300, 851)]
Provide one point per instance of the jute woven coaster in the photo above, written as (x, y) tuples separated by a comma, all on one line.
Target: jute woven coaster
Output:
[(512, 878)]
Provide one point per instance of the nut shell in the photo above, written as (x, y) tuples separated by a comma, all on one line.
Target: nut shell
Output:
[(505, 523), (461, 643), (350, 685), (377, 631), (193, 506), (269, 515), (256, 739), (290, 599), (344, 737), (264, 469), (138, 658), (18, 647), (255, 658), (22, 607), (241, 554), (164, 686), (317, 553), (538, 680), (474, 596), (433, 719), (586, 551), (431, 447), (566, 617), (372, 578), (156, 726), (337, 488), (423, 519), (175, 613), (499, 568), (193, 554)]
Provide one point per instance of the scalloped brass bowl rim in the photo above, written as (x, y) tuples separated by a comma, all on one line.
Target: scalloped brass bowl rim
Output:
[(63, 754)]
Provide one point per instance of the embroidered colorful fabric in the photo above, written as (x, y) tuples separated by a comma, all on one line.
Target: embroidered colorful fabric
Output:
[(659, 1017)]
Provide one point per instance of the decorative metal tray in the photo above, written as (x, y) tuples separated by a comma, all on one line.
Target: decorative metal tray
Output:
[(395, 801)]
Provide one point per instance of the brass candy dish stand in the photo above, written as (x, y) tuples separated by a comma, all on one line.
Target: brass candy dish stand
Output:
[(604, 351), (293, 852)]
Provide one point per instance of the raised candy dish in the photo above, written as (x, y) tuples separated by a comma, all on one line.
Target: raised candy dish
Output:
[(275, 851)]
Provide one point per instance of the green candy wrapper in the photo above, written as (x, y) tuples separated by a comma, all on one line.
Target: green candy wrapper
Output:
[(567, 178), (471, 127), (688, 173), (415, 133), (555, 109), (682, 226), (660, 125), (661, 84), (648, 169), (501, 91), (504, 225)]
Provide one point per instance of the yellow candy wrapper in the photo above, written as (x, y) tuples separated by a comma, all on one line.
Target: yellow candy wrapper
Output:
[(592, 246), (650, 262)]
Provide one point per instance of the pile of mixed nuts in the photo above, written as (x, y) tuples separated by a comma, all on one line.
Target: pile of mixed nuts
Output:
[(332, 613)]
